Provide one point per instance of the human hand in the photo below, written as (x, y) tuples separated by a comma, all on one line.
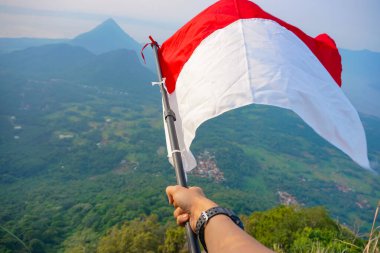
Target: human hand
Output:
[(188, 203)]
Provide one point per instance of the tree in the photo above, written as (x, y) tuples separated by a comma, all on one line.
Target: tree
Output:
[(36, 246), (297, 229), (175, 241), (139, 235)]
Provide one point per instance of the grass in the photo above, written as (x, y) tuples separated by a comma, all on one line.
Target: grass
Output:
[(374, 236)]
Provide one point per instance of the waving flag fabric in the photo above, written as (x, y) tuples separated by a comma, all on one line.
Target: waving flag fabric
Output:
[(234, 54)]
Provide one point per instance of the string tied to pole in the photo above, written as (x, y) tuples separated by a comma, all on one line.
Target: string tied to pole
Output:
[(151, 43)]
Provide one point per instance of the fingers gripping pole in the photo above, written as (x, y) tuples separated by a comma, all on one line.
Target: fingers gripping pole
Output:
[(176, 152)]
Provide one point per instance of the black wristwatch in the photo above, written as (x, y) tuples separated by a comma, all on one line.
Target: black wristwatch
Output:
[(207, 215)]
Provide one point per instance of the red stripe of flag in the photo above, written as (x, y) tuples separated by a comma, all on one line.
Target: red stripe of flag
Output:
[(176, 51)]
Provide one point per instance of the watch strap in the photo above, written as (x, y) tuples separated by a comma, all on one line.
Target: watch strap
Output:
[(207, 215)]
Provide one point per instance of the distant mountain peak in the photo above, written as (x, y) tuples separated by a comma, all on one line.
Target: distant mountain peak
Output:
[(109, 24), (109, 21), (109, 36), (106, 37)]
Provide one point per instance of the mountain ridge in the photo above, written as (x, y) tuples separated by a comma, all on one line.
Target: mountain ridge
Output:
[(105, 37), (51, 59), (8, 45), (68, 62)]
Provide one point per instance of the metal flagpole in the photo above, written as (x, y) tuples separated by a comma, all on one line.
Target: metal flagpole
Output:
[(176, 153)]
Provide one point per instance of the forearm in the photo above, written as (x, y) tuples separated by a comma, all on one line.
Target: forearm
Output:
[(223, 235)]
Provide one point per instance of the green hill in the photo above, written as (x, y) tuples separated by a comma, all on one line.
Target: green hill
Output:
[(83, 149)]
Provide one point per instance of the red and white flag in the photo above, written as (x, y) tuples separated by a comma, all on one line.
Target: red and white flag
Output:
[(234, 54)]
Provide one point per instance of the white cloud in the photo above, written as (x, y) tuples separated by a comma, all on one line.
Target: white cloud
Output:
[(141, 9), (65, 19), (352, 23), (42, 26)]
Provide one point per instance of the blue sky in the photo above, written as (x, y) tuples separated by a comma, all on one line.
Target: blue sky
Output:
[(352, 23)]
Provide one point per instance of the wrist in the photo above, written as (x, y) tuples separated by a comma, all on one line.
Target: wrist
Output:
[(200, 205), (208, 215)]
